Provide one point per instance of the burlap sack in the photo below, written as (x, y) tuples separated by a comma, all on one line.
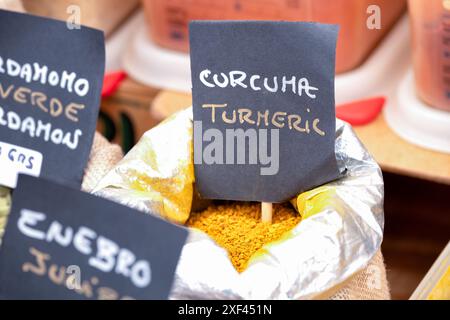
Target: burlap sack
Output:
[(103, 157), (369, 284)]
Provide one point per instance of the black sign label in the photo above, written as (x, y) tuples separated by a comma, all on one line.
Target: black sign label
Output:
[(50, 84), (62, 243), (264, 113)]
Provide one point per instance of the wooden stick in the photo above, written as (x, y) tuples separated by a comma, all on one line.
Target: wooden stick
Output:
[(266, 212)]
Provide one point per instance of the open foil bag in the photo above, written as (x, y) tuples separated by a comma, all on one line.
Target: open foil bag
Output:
[(341, 228)]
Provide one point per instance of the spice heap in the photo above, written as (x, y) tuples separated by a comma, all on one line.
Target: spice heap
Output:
[(237, 227)]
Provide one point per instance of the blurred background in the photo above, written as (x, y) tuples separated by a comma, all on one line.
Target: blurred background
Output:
[(392, 84)]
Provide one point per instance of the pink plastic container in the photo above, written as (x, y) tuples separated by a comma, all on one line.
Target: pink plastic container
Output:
[(168, 20), (430, 26)]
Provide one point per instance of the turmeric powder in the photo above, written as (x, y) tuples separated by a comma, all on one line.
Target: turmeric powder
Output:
[(237, 227)]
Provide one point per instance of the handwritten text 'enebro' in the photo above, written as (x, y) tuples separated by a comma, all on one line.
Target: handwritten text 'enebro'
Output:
[(106, 257)]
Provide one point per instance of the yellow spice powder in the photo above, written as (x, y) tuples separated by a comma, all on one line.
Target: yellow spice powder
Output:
[(237, 227)]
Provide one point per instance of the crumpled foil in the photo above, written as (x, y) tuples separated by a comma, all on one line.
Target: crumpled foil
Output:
[(341, 228), (156, 175)]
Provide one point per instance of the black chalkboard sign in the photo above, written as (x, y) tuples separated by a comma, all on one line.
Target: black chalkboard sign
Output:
[(50, 84), (61, 243), (263, 103)]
